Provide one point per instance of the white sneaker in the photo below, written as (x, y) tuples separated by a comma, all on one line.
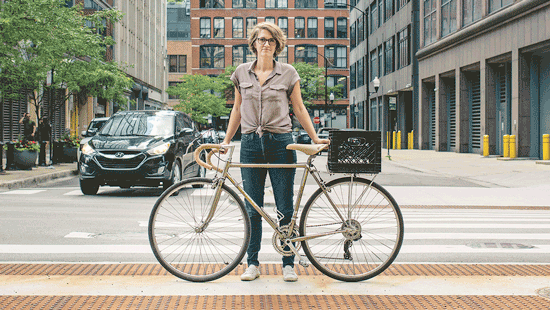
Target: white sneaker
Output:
[(289, 275), (251, 273)]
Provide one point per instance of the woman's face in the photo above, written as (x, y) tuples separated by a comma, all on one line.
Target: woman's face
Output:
[(265, 43)]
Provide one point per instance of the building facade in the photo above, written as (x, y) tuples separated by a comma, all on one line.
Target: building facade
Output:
[(180, 56), (219, 31), (484, 69), (382, 47)]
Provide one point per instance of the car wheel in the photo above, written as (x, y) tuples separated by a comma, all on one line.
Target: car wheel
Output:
[(89, 187), (176, 176)]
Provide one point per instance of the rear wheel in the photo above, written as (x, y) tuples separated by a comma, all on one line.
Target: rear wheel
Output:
[(362, 244), (89, 187), (186, 247)]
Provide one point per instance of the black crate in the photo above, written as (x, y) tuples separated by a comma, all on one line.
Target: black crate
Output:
[(355, 151)]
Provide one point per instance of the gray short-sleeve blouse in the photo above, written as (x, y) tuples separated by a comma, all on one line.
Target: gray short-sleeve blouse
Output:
[(265, 107)]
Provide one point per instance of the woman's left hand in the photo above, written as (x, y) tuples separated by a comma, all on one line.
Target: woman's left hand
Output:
[(320, 141)]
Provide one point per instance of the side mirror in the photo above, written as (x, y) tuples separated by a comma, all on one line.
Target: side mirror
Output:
[(185, 131), (84, 134), (92, 132)]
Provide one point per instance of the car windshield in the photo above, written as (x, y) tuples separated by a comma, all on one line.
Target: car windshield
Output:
[(139, 124)]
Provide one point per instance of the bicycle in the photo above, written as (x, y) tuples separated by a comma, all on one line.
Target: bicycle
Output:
[(351, 228)]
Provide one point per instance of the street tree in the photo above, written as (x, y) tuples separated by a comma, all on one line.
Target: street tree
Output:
[(200, 96), (48, 46)]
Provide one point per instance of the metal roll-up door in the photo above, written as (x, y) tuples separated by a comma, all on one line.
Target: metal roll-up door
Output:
[(451, 102), (12, 111), (475, 114), (57, 114), (431, 98)]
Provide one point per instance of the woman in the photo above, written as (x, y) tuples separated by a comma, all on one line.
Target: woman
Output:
[(263, 90)]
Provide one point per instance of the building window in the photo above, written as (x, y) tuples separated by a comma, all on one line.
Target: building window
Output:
[(339, 80), (177, 24), (173, 84), (312, 27), (389, 9), (352, 75), (471, 11), (495, 5), (373, 17), (205, 27), (388, 46), (337, 4), (283, 24), (270, 19), (283, 56), (352, 35), (402, 3), (342, 28), (306, 53), (329, 27), (299, 27), (337, 56), (360, 72), (219, 27), (306, 4), (90, 4), (373, 65), (360, 30), (212, 56), (238, 27), (381, 11), (276, 4), (211, 4), (380, 61), (448, 17), (430, 21), (250, 24), (240, 4), (403, 48), (242, 54), (178, 63)]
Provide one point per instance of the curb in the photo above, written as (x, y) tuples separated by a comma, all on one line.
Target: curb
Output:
[(37, 179)]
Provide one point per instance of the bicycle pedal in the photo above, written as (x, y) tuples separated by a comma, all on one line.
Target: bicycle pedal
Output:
[(303, 263)]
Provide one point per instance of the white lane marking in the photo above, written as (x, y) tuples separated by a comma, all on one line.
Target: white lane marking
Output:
[(146, 249), (74, 193), (23, 192), (80, 235)]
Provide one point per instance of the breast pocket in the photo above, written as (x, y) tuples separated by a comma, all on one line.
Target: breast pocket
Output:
[(276, 92), (247, 91)]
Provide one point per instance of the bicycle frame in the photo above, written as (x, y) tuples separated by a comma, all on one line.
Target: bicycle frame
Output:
[(308, 168)]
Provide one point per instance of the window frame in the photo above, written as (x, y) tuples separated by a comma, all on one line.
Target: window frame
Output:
[(330, 29), (236, 19), (178, 63), (302, 30), (306, 4), (246, 54), (278, 4), (337, 58), (342, 31), (312, 32), (212, 57), (310, 54), (283, 28), (211, 4), (203, 28), (249, 28), (215, 29)]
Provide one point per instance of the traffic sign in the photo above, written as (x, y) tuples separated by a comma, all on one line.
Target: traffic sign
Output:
[(316, 120)]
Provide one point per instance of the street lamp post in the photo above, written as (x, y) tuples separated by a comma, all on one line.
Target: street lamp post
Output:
[(301, 48), (332, 104)]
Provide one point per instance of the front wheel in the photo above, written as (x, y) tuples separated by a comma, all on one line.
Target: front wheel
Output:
[(89, 187), (188, 247), (359, 228)]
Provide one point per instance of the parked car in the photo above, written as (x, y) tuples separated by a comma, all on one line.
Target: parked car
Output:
[(303, 137), (210, 136), (94, 126), (140, 148)]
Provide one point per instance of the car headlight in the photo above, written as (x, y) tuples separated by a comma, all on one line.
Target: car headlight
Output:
[(87, 149), (159, 150)]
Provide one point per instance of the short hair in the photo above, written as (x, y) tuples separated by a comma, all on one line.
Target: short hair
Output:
[(275, 31)]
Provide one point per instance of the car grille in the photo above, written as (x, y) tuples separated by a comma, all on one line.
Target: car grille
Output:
[(125, 162)]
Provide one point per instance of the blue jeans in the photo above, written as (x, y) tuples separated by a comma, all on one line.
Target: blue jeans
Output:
[(270, 148)]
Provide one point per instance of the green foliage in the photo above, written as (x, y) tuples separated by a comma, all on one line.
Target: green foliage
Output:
[(69, 140), (313, 83), (44, 36), (24, 145), (199, 96)]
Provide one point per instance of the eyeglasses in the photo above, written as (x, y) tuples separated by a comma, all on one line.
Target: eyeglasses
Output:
[(263, 40)]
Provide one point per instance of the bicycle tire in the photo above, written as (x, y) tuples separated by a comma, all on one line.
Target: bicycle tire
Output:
[(370, 248), (182, 249)]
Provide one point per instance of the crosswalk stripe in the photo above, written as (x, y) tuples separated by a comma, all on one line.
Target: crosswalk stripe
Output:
[(23, 192)]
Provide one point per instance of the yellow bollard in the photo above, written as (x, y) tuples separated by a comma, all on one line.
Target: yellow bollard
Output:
[(393, 140), (546, 147), (399, 140), (411, 143), (486, 145), (506, 146), (513, 146)]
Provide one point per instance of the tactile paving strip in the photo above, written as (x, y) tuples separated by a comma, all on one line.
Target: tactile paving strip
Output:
[(275, 269), (281, 302)]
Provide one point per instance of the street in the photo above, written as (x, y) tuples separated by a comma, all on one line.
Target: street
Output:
[(464, 236)]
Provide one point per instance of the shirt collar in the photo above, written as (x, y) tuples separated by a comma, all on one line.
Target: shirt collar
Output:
[(277, 67)]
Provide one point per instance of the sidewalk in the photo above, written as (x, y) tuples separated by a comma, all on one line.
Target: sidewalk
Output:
[(12, 179)]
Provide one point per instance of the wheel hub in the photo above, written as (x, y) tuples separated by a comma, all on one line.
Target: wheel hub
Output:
[(351, 230)]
